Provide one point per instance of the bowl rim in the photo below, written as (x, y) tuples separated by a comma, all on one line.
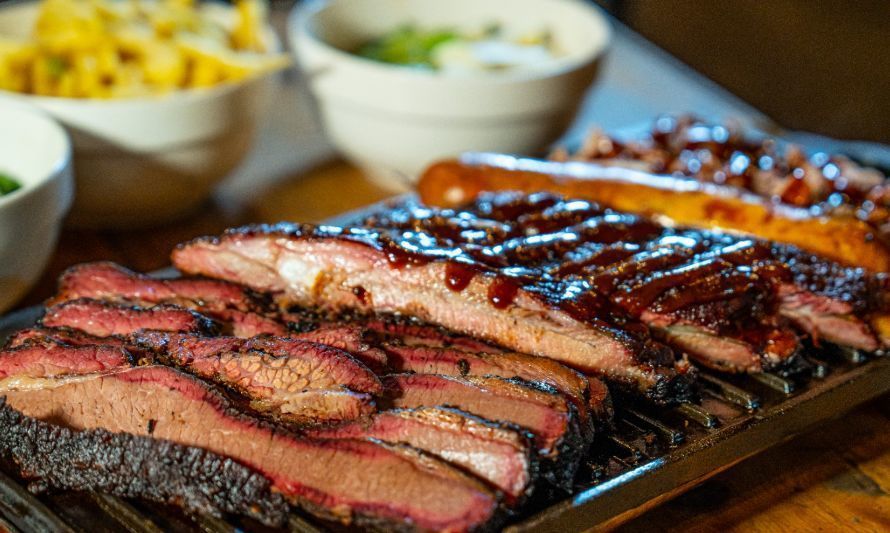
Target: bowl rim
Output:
[(59, 168), (182, 95), (302, 13)]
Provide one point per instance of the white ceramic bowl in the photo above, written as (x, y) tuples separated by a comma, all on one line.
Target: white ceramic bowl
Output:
[(143, 161), (394, 120), (35, 151)]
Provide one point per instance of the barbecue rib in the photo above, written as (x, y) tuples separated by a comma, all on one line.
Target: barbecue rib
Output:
[(547, 415), (496, 452), (340, 479), (326, 267), (841, 237), (125, 465), (710, 294)]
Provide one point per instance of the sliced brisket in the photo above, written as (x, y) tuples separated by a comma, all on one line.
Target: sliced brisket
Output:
[(128, 466), (104, 319), (496, 452), (51, 359), (111, 282), (348, 337), (545, 413), (350, 480)]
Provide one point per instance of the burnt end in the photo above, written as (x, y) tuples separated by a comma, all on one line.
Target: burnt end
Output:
[(130, 466)]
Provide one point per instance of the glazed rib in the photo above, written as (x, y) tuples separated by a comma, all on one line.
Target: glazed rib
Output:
[(341, 479), (323, 266)]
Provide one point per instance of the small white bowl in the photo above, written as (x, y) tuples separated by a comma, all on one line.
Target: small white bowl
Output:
[(393, 120), (35, 151), (142, 161)]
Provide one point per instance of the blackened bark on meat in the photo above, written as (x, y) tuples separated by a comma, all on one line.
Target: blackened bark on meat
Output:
[(129, 466)]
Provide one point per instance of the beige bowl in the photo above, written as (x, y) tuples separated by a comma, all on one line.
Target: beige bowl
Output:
[(394, 120), (143, 161), (35, 151)]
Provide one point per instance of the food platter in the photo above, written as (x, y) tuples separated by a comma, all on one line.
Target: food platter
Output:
[(653, 455)]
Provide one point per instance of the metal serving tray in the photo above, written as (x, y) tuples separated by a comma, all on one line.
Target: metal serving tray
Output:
[(651, 456)]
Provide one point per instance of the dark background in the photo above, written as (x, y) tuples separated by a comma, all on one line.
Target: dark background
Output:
[(817, 65)]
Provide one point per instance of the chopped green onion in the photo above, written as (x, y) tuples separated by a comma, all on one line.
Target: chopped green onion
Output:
[(7, 184)]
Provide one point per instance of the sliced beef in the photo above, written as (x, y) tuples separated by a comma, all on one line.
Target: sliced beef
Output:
[(350, 480), (71, 337), (545, 413), (51, 456), (301, 381), (111, 282), (453, 362), (403, 272), (496, 452), (104, 319), (248, 324), (50, 359), (410, 332), (348, 337)]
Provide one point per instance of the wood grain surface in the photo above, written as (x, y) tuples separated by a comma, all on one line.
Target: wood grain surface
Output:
[(836, 478)]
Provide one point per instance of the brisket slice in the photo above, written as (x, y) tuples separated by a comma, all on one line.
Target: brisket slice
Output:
[(296, 364), (303, 383), (111, 282), (104, 319), (348, 337), (496, 452), (237, 308), (371, 271), (51, 359), (130, 466), (71, 337), (299, 381), (349, 480), (454, 362), (558, 438)]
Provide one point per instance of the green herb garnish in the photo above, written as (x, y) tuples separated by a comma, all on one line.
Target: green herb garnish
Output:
[(7, 184), (407, 46)]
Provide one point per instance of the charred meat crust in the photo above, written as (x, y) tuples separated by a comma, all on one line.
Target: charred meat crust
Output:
[(127, 465)]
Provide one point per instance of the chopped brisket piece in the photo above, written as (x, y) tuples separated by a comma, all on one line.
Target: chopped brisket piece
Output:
[(496, 452), (350, 480), (132, 466), (104, 319)]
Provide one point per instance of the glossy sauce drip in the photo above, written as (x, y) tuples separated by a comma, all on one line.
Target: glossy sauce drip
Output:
[(458, 276), (502, 292)]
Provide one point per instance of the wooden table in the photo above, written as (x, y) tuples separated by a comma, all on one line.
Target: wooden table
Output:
[(835, 478)]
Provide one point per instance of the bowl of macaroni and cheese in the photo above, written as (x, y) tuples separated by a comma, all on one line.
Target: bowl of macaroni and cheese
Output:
[(160, 98)]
